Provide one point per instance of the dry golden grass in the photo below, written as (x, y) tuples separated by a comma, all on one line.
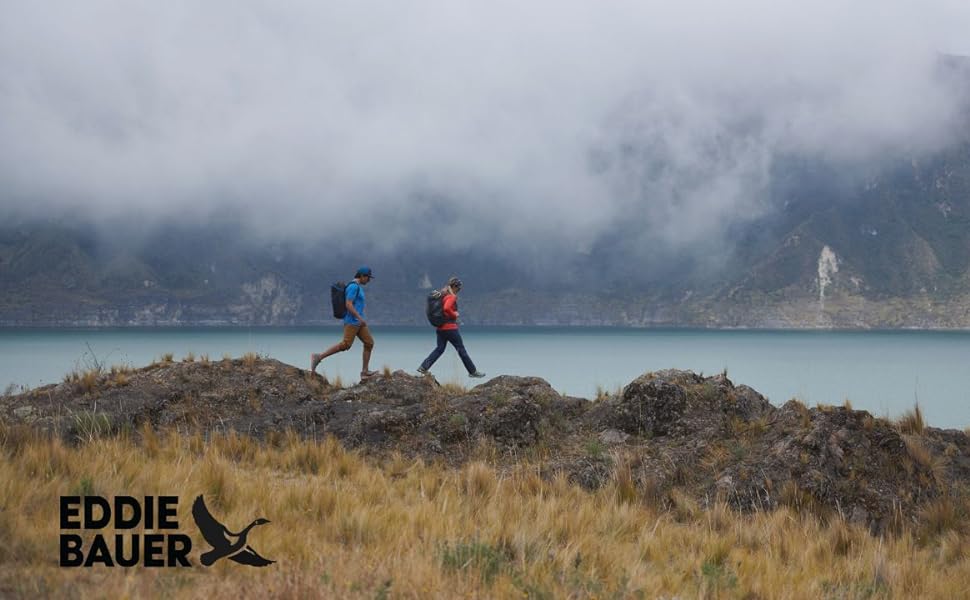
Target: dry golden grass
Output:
[(189, 358), (116, 369), (937, 465), (453, 388), (747, 429), (805, 415), (918, 452), (249, 360), (84, 382), (601, 394), (912, 422), (118, 375), (942, 516), (343, 526)]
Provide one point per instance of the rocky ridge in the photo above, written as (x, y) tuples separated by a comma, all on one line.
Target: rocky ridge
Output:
[(665, 433)]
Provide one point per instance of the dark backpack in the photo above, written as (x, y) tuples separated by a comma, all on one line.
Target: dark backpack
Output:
[(338, 297), (436, 309)]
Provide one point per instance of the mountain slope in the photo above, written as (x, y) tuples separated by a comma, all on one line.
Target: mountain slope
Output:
[(890, 249)]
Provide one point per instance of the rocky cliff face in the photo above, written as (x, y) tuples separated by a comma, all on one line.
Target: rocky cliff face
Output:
[(668, 432), (267, 301)]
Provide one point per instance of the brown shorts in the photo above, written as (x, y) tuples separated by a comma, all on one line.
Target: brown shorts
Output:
[(352, 331)]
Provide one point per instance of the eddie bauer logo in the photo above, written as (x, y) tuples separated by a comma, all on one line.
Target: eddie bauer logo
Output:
[(224, 542), (157, 513)]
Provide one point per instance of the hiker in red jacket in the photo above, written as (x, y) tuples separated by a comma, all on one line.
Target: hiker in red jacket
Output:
[(449, 332)]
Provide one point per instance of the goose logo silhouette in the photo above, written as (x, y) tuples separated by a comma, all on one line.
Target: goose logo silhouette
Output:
[(226, 544)]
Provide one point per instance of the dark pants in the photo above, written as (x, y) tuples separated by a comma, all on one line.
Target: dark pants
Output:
[(450, 335)]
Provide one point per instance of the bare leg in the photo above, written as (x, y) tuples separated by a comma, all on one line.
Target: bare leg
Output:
[(316, 358), (338, 347), (368, 341)]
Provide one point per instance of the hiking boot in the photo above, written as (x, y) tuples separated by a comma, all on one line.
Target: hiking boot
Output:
[(477, 374), (422, 371), (314, 361)]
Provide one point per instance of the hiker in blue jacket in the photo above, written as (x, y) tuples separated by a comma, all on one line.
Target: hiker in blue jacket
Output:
[(355, 325)]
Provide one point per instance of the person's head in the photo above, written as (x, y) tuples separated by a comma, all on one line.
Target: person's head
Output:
[(454, 284), (364, 275)]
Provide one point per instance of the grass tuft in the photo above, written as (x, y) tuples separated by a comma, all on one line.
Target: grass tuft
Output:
[(83, 382), (90, 426), (479, 479), (918, 452), (624, 484), (594, 448), (484, 559), (941, 516), (602, 395), (453, 388), (912, 422), (249, 360)]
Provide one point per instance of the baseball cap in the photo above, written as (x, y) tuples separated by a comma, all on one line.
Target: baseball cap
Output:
[(364, 270)]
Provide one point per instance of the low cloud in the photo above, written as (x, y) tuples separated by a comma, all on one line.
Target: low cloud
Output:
[(538, 127)]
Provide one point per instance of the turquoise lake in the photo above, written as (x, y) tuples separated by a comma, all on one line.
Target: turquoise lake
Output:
[(884, 372)]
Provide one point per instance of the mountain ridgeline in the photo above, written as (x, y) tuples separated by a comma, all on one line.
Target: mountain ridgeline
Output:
[(890, 251)]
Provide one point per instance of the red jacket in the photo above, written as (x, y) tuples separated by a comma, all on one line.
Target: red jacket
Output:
[(450, 305)]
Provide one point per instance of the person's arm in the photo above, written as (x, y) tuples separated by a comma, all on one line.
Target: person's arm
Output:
[(353, 311)]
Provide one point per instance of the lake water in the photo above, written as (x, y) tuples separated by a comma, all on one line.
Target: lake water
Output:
[(882, 372)]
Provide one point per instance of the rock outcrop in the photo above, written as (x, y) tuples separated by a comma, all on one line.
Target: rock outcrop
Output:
[(669, 429)]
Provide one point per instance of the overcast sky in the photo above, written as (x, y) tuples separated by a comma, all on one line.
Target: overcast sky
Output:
[(522, 120)]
